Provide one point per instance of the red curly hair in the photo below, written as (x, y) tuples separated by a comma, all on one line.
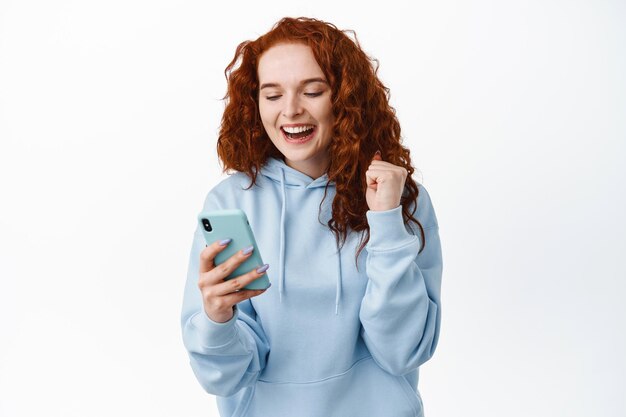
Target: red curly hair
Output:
[(364, 122)]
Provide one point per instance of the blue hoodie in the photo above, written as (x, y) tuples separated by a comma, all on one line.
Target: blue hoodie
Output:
[(326, 339)]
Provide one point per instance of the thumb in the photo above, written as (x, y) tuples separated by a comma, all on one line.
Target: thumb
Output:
[(377, 156)]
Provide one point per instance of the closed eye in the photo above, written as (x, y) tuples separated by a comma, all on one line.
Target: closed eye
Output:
[(274, 98)]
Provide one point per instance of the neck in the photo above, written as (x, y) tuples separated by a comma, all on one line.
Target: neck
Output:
[(312, 168)]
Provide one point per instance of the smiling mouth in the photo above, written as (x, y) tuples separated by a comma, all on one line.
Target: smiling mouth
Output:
[(299, 137), (299, 134)]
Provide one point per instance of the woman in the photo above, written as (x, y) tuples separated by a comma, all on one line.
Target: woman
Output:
[(351, 237)]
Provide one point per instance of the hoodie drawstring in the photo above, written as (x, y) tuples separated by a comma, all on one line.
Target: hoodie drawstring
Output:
[(339, 281), (281, 272)]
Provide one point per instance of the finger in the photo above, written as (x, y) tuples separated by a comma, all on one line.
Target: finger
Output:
[(224, 269), (209, 253), (240, 296), (238, 283), (386, 165), (380, 164), (386, 172), (371, 179), (373, 186), (377, 174), (377, 156)]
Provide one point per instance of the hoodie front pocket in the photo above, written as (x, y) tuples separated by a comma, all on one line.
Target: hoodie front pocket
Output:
[(364, 390)]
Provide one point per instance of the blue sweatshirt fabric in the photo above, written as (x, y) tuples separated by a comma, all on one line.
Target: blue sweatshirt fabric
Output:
[(326, 339)]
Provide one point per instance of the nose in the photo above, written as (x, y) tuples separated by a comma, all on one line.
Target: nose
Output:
[(293, 107)]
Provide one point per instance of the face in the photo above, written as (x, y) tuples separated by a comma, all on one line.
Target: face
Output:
[(295, 106)]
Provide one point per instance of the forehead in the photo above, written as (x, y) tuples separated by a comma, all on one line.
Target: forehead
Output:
[(288, 63)]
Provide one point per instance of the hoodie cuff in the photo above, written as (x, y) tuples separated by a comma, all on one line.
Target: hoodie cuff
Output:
[(215, 334), (387, 230)]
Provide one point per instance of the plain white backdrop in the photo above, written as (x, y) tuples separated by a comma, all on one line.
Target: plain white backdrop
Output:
[(515, 115)]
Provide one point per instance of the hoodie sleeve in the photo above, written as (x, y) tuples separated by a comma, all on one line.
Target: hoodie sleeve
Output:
[(401, 309), (225, 357)]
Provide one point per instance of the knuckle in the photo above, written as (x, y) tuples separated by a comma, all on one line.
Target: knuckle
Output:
[(224, 268), (203, 281), (209, 292), (236, 284), (220, 304), (206, 253)]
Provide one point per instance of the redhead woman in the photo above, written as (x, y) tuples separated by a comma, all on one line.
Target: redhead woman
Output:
[(351, 240)]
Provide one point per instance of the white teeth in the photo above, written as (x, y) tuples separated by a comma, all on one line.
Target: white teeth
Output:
[(297, 129)]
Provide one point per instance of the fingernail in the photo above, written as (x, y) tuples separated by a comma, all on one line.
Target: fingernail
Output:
[(262, 269), (247, 250), (377, 153), (225, 242)]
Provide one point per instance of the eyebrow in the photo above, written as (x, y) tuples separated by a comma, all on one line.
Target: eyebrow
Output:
[(303, 82)]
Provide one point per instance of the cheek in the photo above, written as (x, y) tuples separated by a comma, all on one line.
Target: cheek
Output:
[(328, 113), (266, 116), (262, 110), (329, 121)]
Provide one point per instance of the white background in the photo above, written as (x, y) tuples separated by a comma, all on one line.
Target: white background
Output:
[(515, 115)]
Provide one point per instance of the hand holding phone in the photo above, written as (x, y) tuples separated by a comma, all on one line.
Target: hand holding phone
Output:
[(231, 269)]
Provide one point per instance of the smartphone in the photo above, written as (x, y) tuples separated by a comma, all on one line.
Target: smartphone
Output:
[(233, 224)]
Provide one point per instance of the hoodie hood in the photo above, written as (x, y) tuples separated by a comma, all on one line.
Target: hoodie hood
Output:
[(286, 178), (275, 169)]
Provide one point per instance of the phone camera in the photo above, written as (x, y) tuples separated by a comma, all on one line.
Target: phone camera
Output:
[(207, 225)]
